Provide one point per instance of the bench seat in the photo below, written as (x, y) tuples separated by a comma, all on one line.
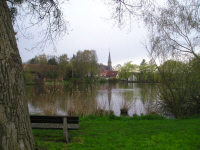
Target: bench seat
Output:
[(54, 126)]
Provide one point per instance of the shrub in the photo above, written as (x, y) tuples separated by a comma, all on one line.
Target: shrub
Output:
[(178, 88), (112, 80), (102, 80)]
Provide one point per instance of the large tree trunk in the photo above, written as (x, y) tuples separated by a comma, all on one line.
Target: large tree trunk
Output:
[(15, 129)]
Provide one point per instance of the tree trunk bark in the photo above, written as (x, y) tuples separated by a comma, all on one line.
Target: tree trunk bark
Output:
[(15, 129)]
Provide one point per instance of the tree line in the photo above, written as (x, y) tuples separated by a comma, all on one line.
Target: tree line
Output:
[(145, 72), (82, 66)]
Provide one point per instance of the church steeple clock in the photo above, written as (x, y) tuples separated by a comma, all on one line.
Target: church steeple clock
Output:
[(109, 62)]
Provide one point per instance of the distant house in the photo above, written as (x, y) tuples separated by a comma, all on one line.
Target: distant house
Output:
[(103, 74), (44, 72), (106, 71), (112, 74), (109, 74)]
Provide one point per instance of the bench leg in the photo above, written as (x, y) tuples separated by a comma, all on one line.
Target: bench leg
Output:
[(66, 135), (65, 130)]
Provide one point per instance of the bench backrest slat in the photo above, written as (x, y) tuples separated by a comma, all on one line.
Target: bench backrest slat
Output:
[(54, 119)]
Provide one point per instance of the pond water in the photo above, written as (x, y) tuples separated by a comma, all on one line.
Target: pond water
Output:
[(83, 98)]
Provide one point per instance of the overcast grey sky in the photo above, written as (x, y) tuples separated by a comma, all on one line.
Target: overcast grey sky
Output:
[(91, 28)]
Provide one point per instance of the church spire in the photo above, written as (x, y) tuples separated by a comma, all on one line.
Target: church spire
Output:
[(109, 62), (109, 58)]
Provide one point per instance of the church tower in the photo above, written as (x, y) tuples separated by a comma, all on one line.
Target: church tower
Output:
[(109, 62)]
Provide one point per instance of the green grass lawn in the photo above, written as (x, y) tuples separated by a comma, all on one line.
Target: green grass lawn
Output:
[(110, 132)]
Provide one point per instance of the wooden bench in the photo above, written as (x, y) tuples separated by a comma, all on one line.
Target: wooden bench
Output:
[(64, 123)]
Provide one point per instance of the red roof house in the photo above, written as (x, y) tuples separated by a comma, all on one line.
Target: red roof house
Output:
[(109, 74)]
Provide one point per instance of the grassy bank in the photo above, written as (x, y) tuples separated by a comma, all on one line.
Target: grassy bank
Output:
[(111, 132)]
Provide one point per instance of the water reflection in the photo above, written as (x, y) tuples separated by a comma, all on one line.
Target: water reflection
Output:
[(82, 99)]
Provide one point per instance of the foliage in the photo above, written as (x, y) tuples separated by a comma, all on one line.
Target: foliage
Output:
[(74, 79), (40, 59), (179, 88), (112, 80), (127, 70), (173, 25), (85, 64), (32, 61), (143, 68), (173, 34), (173, 29), (52, 75), (63, 61), (53, 61), (117, 67), (69, 71), (144, 73), (102, 80), (147, 72), (88, 80), (173, 41)]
